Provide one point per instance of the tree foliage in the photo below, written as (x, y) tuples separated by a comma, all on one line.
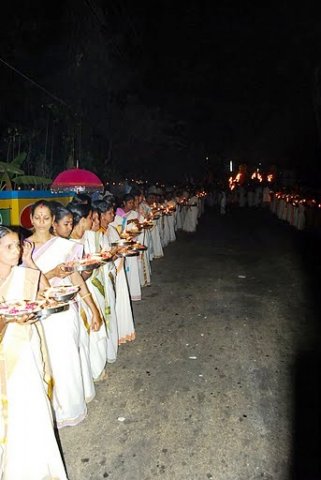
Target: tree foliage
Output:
[(102, 119), (12, 174)]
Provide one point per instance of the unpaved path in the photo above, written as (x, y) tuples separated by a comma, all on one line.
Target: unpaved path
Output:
[(208, 389)]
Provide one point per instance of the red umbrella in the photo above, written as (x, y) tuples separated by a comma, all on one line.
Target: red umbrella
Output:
[(77, 180)]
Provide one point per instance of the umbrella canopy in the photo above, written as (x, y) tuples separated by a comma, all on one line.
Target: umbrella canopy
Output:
[(77, 180)]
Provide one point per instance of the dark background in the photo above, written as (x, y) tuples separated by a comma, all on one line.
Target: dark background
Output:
[(153, 88)]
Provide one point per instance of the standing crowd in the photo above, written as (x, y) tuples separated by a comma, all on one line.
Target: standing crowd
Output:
[(253, 194), (48, 367)]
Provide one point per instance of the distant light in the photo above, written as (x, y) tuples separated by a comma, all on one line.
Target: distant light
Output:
[(206, 158), (231, 165)]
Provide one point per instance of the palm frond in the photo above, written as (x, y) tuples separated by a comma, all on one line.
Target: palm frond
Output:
[(5, 181), (19, 159), (10, 169), (31, 180)]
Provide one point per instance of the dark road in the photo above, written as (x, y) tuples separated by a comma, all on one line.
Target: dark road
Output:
[(223, 379)]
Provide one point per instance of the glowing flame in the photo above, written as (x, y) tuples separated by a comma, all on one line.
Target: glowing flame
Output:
[(257, 175), (234, 181)]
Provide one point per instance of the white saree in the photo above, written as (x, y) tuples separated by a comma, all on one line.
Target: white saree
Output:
[(131, 265), (66, 341), (124, 314), (157, 248), (104, 343), (27, 441), (144, 268), (190, 220)]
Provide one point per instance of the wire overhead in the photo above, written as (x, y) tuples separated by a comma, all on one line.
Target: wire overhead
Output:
[(33, 82)]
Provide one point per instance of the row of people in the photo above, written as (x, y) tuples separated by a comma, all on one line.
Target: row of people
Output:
[(48, 367), (288, 210), (299, 211), (253, 195)]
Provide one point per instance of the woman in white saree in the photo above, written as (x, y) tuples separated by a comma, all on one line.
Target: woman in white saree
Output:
[(183, 198), (103, 347), (28, 447), (157, 248), (190, 220), (62, 227), (144, 269), (73, 385), (95, 241), (131, 265), (170, 202), (137, 215), (124, 314)]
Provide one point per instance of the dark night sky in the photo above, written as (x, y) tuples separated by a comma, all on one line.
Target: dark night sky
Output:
[(238, 78), (236, 67)]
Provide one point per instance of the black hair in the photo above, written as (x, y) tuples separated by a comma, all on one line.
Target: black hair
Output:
[(149, 195), (96, 207), (79, 211), (135, 192), (43, 203), (109, 198), (81, 198), (127, 197), (102, 206), (60, 211), (53, 205), (4, 231), (22, 232)]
